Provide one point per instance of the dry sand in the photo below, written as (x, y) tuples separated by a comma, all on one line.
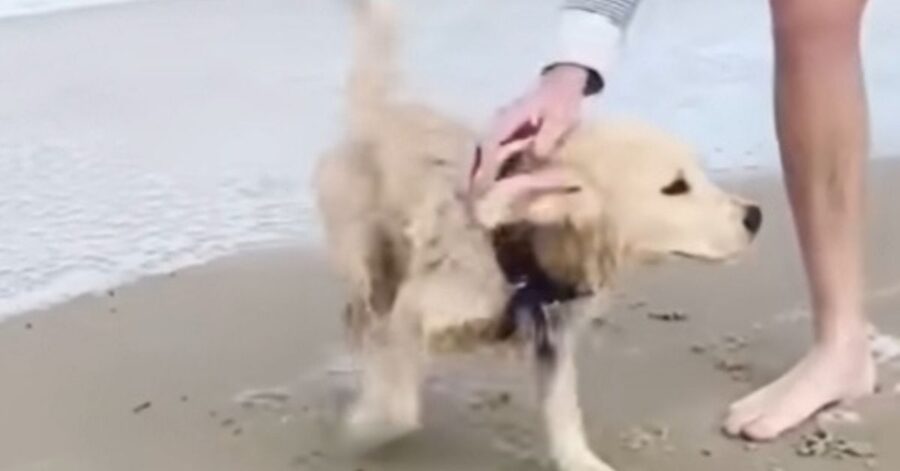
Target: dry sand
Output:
[(239, 365)]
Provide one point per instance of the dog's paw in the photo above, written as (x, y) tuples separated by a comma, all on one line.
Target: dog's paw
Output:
[(585, 461), (367, 429)]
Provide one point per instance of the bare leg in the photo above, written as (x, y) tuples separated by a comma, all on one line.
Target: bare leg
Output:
[(823, 132)]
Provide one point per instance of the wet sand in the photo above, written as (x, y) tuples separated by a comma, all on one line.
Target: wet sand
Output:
[(239, 365)]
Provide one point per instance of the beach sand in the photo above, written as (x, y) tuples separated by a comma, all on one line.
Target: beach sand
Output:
[(240, 365), (133, 135)]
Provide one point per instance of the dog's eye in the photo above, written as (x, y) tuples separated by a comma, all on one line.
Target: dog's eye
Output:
[(678, 187)]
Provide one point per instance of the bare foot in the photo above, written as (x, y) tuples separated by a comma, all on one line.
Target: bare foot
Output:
[(829, 374)]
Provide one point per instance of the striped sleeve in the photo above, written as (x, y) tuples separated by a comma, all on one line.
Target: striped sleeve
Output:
[(590, 32), (618, 12)]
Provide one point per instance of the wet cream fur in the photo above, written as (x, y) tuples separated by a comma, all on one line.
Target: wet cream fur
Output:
[(418, 258)]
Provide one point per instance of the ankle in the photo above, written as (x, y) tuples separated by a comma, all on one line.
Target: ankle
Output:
[(844, 328), (851, 340)]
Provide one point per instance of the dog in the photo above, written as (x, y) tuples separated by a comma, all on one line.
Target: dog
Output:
[(429, 268)]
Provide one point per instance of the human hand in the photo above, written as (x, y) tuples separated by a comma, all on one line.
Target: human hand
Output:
[(538, 122)]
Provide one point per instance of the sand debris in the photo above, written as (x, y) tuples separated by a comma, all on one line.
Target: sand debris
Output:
[(233, 425), (141, 407), (885, 348), (736, 370), (275, 400), (637, 305), (823, 444), (637, 439), (723, 353), (669, 316), (699, 349), (304, 460), (641, 438), (774, 466), (731, 343), (734, 343), (491, 400)]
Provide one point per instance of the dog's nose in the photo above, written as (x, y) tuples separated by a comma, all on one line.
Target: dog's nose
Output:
[(753, 218)]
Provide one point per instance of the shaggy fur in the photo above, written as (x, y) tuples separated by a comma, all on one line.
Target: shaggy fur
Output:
[(428, 269)]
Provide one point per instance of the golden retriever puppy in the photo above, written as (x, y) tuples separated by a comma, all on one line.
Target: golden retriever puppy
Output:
[(429, 268)]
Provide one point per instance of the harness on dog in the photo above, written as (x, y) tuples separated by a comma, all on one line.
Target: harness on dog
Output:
[(526, 311), (534, 291)]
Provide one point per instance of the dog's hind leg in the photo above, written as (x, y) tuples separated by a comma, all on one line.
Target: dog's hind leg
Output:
[(558, 388), (348, 192), (388, 406)]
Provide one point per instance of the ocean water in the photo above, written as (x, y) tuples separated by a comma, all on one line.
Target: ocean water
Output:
[(13, 8), (141, 139)]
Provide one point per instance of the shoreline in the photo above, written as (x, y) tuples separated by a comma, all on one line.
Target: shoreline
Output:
[(62, 290), (50, 8), (310, 238)]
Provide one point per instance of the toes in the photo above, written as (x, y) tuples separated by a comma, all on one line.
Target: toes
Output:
[(738, 419), (746, 411), (764, 429), (782, 417)]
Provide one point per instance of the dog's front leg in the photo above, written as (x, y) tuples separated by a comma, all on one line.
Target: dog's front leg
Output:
[(558, 387), (388, 406)]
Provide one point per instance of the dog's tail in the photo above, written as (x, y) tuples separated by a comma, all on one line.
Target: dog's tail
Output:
[(373, 69)]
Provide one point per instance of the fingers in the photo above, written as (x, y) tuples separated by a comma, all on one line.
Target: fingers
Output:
[(550, 136), (492, 162), (510, 122), (525, 130), (506, 198), (524, 186), (511, 118), (514, 123), (540, 121), (558, 121)]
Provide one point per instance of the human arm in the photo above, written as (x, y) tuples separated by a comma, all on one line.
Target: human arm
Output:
[(587, 46)]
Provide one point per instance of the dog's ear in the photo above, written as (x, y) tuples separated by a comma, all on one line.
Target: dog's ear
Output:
[(543, 197)]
